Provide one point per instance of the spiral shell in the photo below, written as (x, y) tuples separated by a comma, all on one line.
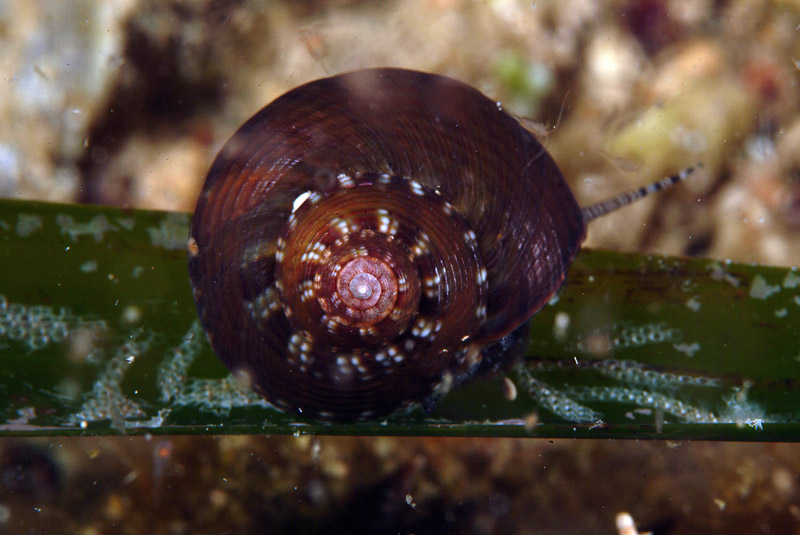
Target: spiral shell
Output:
[(367, 240)]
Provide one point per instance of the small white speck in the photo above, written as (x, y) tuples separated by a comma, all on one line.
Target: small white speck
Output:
[(368, 331), (345, 180), (688, 349), (345, 226), (90, 266), (561, 325), (131, 314), (760, 289), (432, 281), (422, 329), (791, 280), (755, 423)]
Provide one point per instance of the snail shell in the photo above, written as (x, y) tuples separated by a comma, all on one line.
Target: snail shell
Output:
[(368, 240)]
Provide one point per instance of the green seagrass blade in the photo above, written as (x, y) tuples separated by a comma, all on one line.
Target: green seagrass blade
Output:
[(98, 335)]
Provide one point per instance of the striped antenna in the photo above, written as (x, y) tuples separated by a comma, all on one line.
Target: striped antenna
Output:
[(593, 211)]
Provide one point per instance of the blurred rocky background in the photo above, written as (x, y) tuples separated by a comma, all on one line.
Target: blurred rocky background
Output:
[(126, 102)]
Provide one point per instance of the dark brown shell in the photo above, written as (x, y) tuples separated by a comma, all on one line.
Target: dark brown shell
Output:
[(456, 222)]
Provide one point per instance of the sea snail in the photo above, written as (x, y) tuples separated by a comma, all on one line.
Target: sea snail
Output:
[(369, 240)]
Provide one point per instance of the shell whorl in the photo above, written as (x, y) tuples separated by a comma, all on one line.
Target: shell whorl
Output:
[(362, 239)]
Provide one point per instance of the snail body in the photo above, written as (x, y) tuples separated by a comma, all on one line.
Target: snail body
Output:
[(368, 240)]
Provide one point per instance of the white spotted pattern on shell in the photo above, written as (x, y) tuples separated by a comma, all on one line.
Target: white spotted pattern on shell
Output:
[(368, 240)]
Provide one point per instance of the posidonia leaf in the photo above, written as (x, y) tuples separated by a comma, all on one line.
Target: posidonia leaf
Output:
[(98, 335)]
